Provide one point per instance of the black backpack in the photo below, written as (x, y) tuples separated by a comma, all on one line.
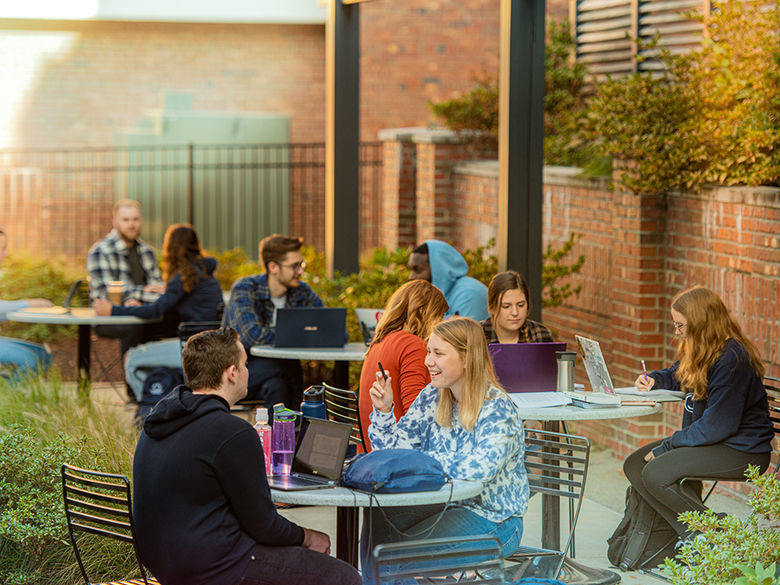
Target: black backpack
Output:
[(643, 539), (158, 383)]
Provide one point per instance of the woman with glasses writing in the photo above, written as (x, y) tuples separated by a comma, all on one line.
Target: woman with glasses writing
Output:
[(726, 424)]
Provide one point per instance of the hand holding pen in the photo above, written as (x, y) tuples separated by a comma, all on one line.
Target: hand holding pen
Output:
[(644, 382), (381, 392)]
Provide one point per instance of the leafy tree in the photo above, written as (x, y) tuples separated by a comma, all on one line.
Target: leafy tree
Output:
[(712, 117), (564, 103)]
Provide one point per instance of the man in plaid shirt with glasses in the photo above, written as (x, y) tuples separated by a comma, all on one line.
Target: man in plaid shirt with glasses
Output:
[(121, 255), (251, 311)]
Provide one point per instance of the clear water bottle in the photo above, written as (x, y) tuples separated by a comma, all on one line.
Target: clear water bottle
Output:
[(313, 405), (265, 432), (283, 440)]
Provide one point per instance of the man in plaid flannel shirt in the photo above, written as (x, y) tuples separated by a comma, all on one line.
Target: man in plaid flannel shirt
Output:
[(121, 255), (251, 311)]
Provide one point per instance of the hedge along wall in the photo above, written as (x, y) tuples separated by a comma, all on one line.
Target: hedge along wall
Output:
[(640, 251)]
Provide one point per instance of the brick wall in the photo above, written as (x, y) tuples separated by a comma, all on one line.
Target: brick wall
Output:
[(639, 252), (78, 83)]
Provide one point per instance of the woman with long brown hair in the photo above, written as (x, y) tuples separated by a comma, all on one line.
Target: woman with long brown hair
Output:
[(726, 424), (465, 421), (399, 345), (509, 304), (191, 294), (191, 291)]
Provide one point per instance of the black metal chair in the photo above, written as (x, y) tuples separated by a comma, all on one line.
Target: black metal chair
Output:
[(342, 406), (99, 504), (772, 386), (444, 561), (557, 465)]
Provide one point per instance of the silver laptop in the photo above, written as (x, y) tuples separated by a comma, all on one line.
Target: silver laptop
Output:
[(595, 366), (310, 327), (368, 320), (319, 456)]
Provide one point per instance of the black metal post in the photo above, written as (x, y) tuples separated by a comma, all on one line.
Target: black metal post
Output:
[(521, 136), (342, 136), (191, 184)]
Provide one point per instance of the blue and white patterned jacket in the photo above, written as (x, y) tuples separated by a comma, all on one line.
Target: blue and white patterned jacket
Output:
[(494, 452)]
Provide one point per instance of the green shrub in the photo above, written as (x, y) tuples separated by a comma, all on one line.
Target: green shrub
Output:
[(42, 425), (27, 277), (730, 548), (714, 117)]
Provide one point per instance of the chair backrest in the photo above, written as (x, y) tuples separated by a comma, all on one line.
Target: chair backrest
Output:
[(98, 503), (474, 559), (342, 406), (772, 386), (557, 465), (187, 329), (78, 295)]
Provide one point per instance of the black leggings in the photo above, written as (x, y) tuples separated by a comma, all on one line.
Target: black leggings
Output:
[(658, 481)]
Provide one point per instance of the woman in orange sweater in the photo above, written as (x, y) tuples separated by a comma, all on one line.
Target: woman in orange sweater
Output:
[(399, 345)]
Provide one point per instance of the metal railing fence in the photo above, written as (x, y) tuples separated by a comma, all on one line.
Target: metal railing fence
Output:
[(59, 201)]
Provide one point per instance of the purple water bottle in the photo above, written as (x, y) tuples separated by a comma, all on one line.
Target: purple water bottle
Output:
[(283, 439)]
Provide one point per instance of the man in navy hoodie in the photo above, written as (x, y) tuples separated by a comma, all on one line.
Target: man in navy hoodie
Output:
[(202, 506)]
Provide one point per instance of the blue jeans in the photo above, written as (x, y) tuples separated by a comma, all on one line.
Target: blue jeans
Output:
[(420, 522), (23, 355), (274, 380)]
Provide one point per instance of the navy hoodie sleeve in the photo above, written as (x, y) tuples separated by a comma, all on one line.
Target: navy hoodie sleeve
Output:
[(667, 378), (727, 385), (240, 470), (174, 291)]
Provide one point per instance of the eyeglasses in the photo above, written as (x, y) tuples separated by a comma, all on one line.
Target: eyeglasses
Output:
[(678, 327), (297, 267)]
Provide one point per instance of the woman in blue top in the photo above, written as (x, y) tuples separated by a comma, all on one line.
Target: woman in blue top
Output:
[(726, 424), (464, 420)]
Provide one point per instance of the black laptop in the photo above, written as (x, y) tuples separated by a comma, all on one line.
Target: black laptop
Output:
[(319, 456), (310, 327)]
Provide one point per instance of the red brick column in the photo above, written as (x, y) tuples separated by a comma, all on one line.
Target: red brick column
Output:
[(399, 186), (438, 151)]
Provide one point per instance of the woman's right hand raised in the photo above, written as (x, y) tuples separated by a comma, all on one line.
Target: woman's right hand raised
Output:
[(381, 393), (644, 382)]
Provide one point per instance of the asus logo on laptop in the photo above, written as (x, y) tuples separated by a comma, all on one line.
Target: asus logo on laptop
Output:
[(311, 328)]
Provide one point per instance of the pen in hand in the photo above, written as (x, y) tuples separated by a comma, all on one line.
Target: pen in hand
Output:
[(384, 376), (644, 371)]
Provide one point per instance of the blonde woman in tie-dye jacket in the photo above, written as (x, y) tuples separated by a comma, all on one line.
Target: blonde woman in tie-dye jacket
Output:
[(464, 420)]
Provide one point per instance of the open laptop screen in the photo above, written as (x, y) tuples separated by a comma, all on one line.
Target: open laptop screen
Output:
[(322, 447), (526, 367)]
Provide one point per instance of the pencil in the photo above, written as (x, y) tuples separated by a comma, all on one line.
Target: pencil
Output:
[(644, 370)]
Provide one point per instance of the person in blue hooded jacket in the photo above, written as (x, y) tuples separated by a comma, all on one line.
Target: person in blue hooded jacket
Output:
[(444, 267)]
